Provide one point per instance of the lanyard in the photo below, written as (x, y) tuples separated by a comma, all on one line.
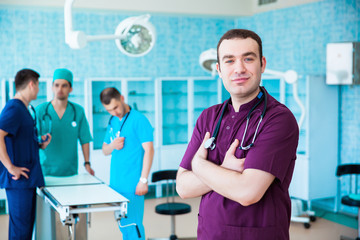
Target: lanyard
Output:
[(127, 115)]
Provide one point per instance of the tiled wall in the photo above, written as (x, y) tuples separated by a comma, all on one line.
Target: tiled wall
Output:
[(35, 38), (296, 38)]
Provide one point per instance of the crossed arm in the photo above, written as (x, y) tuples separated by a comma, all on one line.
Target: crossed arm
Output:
[(229, 179)]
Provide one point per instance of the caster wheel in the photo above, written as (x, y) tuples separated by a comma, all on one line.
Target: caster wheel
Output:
[(312, 218), (307, 225)]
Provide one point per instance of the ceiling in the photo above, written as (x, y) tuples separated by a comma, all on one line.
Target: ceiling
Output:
[(223, 8)]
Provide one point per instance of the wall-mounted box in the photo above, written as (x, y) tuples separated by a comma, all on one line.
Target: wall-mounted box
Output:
[(343, 63)]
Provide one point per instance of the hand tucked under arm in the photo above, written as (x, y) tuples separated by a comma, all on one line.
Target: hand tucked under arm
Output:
[(230, 161)]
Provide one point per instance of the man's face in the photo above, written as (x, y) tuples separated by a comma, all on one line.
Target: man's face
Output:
[(240, 67), (116, 107), (61, 89)]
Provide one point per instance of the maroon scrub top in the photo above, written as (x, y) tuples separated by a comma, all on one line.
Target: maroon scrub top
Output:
[(274, 151)]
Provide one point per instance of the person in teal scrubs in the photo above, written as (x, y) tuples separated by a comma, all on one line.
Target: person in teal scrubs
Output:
[(129, 139), (66, 122)]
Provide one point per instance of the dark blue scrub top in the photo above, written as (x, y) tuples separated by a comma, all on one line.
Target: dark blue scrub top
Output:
[(274, 152), (21, 145)]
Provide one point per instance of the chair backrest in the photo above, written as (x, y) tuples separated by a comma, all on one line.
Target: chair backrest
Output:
[(353, 170), (348, 169), (170, 177), (164, 175)]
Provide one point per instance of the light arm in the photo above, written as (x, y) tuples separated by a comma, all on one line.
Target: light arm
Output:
[(188, 185), (86, 152), (245, 188), (107, 149), (148, 158), (143, 188)]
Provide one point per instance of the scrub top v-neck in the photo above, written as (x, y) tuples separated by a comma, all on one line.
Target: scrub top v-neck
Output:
[(60, 158)]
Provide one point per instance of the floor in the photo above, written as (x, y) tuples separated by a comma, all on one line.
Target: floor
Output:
[(103, 225)]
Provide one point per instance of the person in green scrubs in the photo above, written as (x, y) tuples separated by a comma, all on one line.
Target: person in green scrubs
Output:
[(66, 122)]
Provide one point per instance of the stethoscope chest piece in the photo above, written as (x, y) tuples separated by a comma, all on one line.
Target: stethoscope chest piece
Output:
[(73, 123), (210, 143)]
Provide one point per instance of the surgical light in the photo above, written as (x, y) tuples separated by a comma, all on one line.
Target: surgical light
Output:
[(208, 60), (134, 36)]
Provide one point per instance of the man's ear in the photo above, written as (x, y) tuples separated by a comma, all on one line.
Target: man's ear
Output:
[(31, 84), (263, 61), (218, 69)]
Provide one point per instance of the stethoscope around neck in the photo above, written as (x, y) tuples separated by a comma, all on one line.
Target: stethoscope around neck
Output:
[(210, 143), (47, 115)]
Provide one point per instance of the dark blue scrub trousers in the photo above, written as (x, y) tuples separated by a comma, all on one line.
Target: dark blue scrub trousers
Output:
[(22, 205)]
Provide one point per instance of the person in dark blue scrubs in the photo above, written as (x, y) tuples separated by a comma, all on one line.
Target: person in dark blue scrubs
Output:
[(20, 171)]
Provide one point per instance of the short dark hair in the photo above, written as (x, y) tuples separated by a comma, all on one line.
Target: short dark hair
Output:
[(109, 93), (242, 34), (24, 76)]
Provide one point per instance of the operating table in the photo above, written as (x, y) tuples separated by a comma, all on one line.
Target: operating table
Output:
[(77, 195)]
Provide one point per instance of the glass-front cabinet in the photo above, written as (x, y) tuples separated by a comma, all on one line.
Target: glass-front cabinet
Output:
[(78, 92), (174, 111), (180, 102), (206, 94), (141, 97)]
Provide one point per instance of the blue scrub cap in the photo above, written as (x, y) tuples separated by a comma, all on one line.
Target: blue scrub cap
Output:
[(63, 73)]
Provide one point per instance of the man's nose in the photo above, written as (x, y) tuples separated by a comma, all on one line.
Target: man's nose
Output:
[(239, 66)]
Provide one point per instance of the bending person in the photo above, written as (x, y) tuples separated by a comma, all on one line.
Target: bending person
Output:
[(129, 139)]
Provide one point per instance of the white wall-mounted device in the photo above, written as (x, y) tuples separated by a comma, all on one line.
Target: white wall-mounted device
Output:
[(343, 63), (134, 36)]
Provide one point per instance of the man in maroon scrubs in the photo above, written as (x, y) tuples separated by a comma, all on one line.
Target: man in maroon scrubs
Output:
[(244, 170)]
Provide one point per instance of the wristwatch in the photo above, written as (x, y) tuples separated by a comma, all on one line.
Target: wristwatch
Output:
[(143, 180), (87, 163)]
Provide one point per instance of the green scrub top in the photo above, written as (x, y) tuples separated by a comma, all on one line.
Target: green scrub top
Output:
[(60, 158)]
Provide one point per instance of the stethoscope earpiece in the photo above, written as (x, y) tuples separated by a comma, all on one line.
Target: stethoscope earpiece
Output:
[(73, 123)]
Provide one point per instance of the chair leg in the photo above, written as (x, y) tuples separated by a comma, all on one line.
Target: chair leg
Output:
[(173, 237), (172, 224)]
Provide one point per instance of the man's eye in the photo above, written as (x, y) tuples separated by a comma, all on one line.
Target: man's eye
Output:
[(249, 59), (229, 61)]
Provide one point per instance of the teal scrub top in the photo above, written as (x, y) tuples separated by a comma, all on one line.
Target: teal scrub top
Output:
[(60, 158), (126, 163)]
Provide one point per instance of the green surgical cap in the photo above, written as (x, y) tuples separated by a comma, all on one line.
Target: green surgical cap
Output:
[(63, 73)]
